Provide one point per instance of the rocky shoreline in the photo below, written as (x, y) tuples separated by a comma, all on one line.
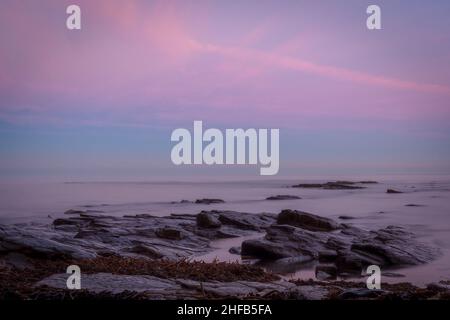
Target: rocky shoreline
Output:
[(148, 257)]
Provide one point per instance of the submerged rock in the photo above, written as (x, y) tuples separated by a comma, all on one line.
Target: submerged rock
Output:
[(346, 217), (209, 201), (283, 197), (392, 191), (336, 185)]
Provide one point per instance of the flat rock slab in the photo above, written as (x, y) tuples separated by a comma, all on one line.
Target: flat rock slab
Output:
[(158, 288), (88, 235)]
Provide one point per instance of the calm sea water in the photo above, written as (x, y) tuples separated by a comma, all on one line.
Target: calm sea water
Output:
[(373, 208)]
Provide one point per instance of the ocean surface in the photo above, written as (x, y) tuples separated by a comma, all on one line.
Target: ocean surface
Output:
[(372, 207)]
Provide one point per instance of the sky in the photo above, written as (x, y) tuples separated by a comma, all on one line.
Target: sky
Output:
[(101, 102)]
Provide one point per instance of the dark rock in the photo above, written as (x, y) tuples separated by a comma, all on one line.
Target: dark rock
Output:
[(72, 211), (325, 272), (414, 205), (171, 234), (337, 185), (368, 182), (340, 186), (147, 251), (392, 191), (284, 241), (360, 293), (88, 235), (306, 221), (327, 256), (308, 185), (182, 202), (256, 222), (209, 201), (350, 248), (346, 217), (235, 250), (283, 197), (392, 275), (207, 220), (60, 222)]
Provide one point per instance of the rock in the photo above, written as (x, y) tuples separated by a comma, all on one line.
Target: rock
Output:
[(208, 201), (60, 222), (414, 205), (147, 251), (283, 197), (392, 191), (327, 256), (255, 222), (284, 241), (351, 249), (346, 217), (159, 288), (360, 293), (325, 272), (235, 250), (308, 185), (340, 186), (337, 185), (207, 220), (72, 211), (306, 221), (40, 244), (181, 202), (392, 275), (88, 235), (171, 234), (368, 182)]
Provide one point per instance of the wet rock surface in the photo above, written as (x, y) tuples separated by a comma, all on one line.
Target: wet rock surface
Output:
[(159, 288), (306, 221), (209, 201), (393, 191), (85, 235), (349, 248), (334, 185), (283, 197)]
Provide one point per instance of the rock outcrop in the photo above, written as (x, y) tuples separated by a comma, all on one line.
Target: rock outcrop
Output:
[(333, 185), (283, 197), (86, 235), (349, 249)]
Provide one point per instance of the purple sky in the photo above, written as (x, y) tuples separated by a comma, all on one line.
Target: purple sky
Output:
[(104, 100)]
